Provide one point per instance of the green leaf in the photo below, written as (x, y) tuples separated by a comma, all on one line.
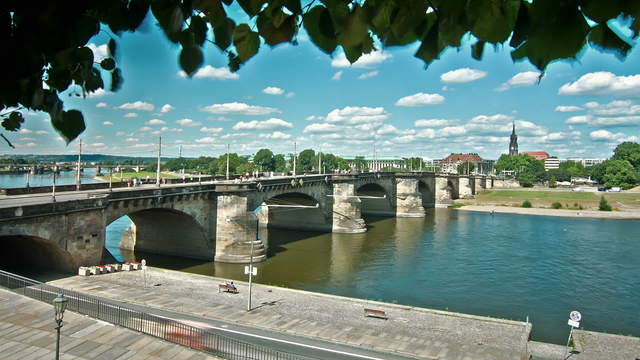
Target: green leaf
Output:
[(274, 30), (234, 62), (251, 7), (13, 121), (137, 11), (199, 29), (317, 22), (112, 46), (116, 79), (108, 64), (492, 21), (246, 42), (59, 77), (521, 27), (430, 48), (69, 124), (355, 29), (224, 34), (600, 11), (93, 81), (293, 6), (477, 50), (604, 39), (170, 17), (191, 59)]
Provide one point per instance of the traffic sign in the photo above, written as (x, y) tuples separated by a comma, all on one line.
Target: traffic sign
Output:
[(254, 270), (575, 316), (575, 324)]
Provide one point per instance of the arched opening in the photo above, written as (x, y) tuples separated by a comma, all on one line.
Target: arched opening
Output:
[(294, 211), (428, 194), (33, 256), (453, 190), (158, 231), (374, 200)]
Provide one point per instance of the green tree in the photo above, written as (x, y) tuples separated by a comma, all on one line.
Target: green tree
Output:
[(604, 205), (280, 163), (526, 179), (573, 168), (559, 174), (264, 160), (620, 173), (628, 151), (466, 168), (342, 163), (234, 162), (36, 71), (360, 164), (597, 171), (522, 165), (306, 161)]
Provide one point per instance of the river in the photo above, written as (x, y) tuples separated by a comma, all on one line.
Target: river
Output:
[(63, 178), (502, 265)]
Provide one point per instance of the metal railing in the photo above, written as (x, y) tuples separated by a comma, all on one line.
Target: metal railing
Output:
[(164, 328)]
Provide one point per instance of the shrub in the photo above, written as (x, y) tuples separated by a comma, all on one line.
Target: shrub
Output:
[(526, 204), (604, 205), (556, 205)]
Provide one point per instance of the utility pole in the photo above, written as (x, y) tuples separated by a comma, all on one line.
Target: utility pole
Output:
[(320, 161), (375, 162), (227, 161), (294, 158), (180, 153), (78, 166), (158, 166)]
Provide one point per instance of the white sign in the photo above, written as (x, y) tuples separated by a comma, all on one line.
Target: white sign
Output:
[(143, 263), (575, 324), (254, 270), (575, 316)]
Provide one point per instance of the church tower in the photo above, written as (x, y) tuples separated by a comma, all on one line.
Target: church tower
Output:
[(513, 144)]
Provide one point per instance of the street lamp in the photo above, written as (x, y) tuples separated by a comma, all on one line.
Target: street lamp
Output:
[(59, 306)]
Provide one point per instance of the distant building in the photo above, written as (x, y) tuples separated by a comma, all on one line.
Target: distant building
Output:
[(378, 163), (538, 155), (450, 163), (551, 163), (554, 163), (513, 143)]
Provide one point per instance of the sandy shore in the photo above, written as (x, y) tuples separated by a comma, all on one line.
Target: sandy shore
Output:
[(625, 215)]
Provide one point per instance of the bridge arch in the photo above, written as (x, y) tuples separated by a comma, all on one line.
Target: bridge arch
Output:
[(452, 189), (294, 211), (165, 231), (427, 192), (26, 254), (375, 200)]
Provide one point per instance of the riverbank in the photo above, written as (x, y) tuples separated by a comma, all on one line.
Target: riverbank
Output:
[(594, 214), (412, 331)]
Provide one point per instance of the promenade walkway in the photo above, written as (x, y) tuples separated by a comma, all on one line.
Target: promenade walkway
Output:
[(27, 332), (422, 333)]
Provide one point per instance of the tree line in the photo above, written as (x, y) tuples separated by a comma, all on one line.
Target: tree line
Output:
[(621, 170)]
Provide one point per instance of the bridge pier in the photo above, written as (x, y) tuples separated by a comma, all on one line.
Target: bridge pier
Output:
[(465, 188), (479, 184), (347, 216), (408, 198), (235, 232)]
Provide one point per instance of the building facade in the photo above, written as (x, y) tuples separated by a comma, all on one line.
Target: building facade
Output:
[(450, 163), (538, 155)]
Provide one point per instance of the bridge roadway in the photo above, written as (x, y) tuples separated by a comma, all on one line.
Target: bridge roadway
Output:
[(192, 219)]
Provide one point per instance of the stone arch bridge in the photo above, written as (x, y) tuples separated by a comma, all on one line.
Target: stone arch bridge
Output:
[(210, 221)]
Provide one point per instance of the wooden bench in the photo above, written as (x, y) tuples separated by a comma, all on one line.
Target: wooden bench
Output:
[(376, 314), (228, 288)]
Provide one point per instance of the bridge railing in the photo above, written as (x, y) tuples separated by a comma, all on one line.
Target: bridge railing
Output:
[(183, 333)]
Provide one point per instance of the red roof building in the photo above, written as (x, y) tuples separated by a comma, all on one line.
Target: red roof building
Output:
[(472, 158), (538, 155)]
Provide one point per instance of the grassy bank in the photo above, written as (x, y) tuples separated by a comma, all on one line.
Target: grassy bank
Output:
[(545, 199)]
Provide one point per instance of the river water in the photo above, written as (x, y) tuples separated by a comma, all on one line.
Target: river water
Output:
[(502, 265), (63, 178)]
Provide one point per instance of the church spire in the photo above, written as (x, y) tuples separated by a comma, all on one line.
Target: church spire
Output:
[(513, 144)]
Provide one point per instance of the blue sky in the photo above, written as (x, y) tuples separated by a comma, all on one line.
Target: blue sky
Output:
[(388, 100)]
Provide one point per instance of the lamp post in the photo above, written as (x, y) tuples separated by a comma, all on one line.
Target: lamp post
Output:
[(59, 306)]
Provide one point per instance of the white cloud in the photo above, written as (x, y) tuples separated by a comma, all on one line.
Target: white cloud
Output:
[(616, 107), (131, 139), (369, 74), (238, 108), (276, 135), (290, 94), (98, 93), (166, 108), (388, 129), (206, 140), (337, 75), (42, 132), (604, 135), (27, 139), (25, 131), (130, 115), (314, 118), (270, 124), (108, 123), (205, 129), (433, 122), (526, 78), (99, 52), (101, 105), (121, 133), (234, 135), (156, 122), (603, 83), (357, 115), (272, 90), (187, 122), (210, 72), (616, 121), (567, 108), (462, 75), (321, 128), (141, 146), (580, 119), (98, 137), (168, 129), (146, 128), (367, 60), (420, 99), (138, 105)]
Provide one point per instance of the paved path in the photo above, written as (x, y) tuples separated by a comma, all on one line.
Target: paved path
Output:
[(27, 332), (411, 331)]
